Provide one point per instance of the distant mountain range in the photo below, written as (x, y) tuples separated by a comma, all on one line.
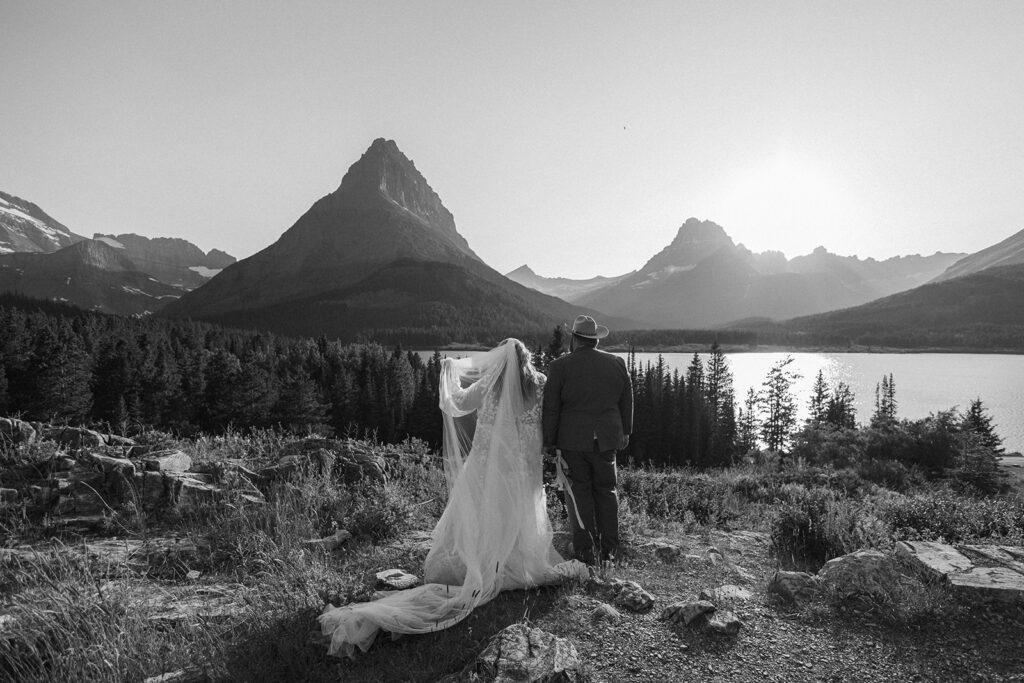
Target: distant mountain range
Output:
[(126, 274), (562, 287), (379, 257), (703, 279), (173, 261)]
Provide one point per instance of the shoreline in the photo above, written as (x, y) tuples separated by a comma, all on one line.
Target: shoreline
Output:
[(763, 348)]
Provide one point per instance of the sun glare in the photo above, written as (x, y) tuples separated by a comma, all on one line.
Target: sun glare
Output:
[(788, 203)]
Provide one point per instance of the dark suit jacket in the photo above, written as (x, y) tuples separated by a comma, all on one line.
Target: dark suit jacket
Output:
[(588, 393)]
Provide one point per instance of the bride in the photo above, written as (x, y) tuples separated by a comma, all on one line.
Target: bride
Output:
[(494, 534)]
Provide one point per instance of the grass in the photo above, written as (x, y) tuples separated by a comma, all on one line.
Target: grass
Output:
[(83, 618)]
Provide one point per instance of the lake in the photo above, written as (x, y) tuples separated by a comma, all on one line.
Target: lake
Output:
[(925, 382)]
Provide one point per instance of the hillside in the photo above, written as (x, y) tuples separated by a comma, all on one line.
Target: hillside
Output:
[(1006, 253), (984, 305), (89, 274)]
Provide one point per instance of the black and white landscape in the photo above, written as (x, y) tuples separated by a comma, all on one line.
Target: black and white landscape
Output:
[(244, 424)]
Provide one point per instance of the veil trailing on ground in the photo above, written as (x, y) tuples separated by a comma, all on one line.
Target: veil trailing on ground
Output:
[(494, 533)]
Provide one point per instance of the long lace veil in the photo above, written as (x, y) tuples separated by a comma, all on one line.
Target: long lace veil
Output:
[(494, 533)]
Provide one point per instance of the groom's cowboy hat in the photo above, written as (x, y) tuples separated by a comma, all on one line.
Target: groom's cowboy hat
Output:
[(585, 326)]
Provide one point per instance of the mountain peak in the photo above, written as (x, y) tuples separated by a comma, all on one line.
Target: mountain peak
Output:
[(694, 241), (522, 271), (384, 172)]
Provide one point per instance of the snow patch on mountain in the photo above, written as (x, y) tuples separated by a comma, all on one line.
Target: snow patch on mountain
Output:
[(204, 271), (111, 241)]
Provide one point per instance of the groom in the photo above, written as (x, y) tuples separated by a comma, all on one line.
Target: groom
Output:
[(588, 415)]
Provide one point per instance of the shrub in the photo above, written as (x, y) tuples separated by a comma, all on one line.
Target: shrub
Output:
[(827, 445), (944, 516), (814, 525)]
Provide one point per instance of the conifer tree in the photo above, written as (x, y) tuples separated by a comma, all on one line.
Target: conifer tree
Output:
[(819, 401), (978, 421), (555, 347), (885, 402), (58, 389), (748, 426), (840, 411), (778, 405), (299, 408)]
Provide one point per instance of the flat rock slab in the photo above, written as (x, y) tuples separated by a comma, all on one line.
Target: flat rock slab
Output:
[(995, 583), (937, 559), (982, 572)]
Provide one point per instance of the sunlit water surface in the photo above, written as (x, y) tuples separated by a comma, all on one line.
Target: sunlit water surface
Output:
[(925, 382)]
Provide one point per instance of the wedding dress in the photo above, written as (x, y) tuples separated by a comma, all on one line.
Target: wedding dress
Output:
[(494, 533)]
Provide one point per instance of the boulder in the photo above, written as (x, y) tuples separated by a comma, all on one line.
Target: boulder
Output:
[(724, 622), (666, 552), (522, 654), (15, 431), (863, 574), (118, 474), (169, 460), (714, 556), (396, 579), (726, 593), (605, 612), (686, 612), (793, 587), (73, 437), (626, 594)]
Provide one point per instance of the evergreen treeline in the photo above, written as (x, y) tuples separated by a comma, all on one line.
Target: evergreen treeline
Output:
[(60, 364), (681, 419)]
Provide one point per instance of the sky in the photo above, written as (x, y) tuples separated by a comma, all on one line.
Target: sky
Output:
[(575, 137)]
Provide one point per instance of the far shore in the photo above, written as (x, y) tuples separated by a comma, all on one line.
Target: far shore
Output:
[(760, 348)]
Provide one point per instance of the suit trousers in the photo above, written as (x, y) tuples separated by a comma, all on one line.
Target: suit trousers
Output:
[(592, 476)]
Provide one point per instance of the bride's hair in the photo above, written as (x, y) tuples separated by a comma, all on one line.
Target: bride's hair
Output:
[(528, 375)]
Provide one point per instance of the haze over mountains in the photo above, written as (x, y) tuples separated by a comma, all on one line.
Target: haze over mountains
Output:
[(703, 279)]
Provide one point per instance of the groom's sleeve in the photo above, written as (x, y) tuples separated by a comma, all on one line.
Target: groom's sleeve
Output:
[(552, 402), (626, 402)]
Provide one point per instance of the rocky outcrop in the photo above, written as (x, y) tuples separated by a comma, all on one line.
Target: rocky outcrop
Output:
[(92, 476), (864, 575), (987, 573), (523, 654)]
